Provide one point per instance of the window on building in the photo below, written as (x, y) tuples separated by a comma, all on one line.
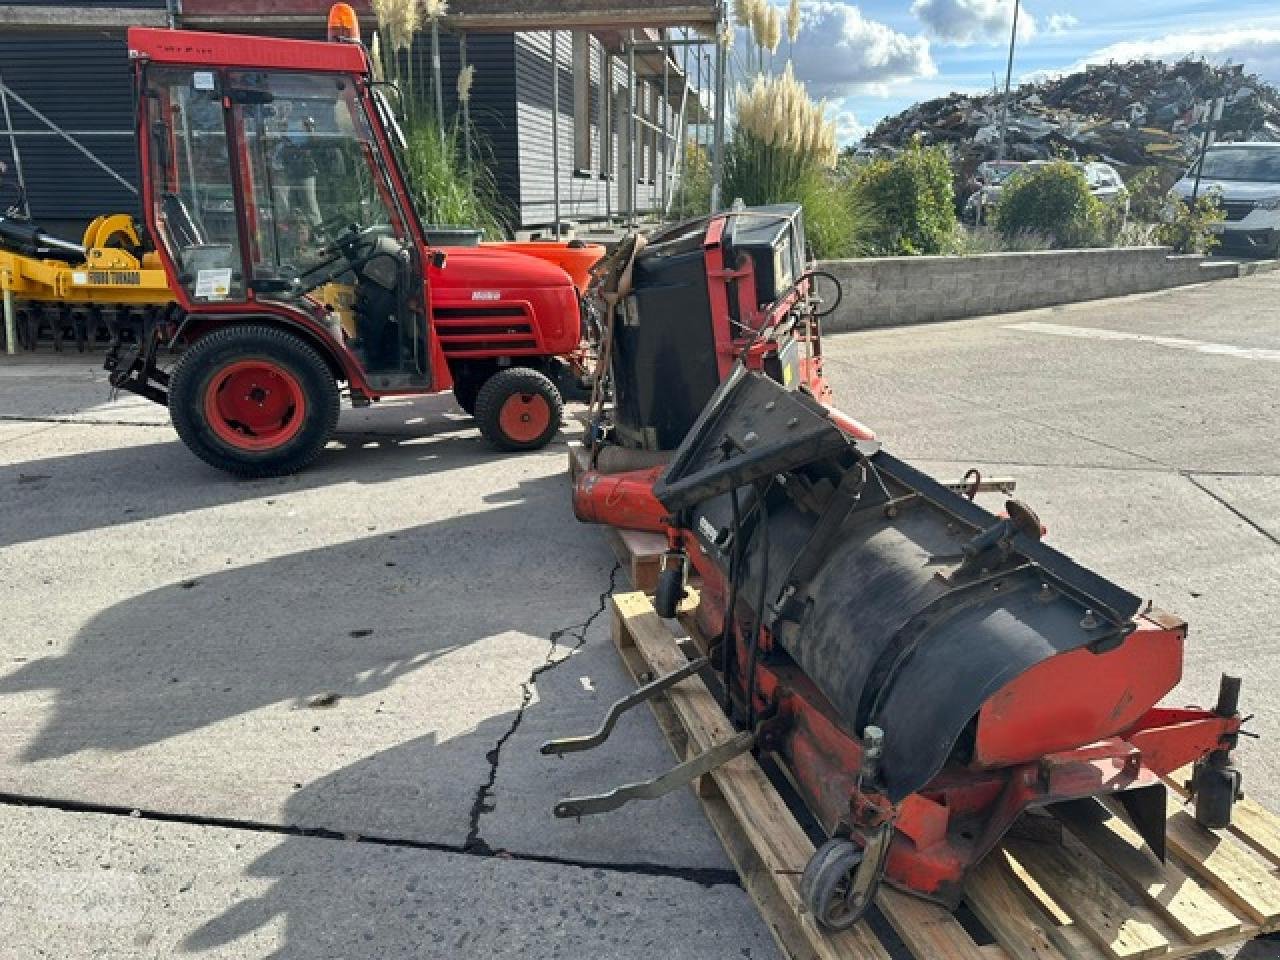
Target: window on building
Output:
[(582, 57)]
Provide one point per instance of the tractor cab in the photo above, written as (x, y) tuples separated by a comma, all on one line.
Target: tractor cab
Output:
[(275, 194), (267, 186)]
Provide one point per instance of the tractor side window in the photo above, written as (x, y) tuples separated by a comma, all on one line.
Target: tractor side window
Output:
[(191, 182), (312, 173)]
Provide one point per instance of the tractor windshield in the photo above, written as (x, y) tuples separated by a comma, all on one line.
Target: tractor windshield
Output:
[(314, 171)]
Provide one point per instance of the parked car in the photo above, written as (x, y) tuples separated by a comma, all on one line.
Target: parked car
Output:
[(1104, 183), (1247, 177), (988, 180)]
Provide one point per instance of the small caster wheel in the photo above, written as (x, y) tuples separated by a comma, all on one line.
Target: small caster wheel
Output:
[(670, 590), (827, 886)]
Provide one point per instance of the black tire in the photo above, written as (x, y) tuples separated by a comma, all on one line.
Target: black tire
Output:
[(194, 378), (466, 392), (825, 882), (516, 385)]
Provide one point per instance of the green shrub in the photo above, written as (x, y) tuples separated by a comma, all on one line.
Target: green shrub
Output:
[(1054, 199), (912, 201), (448, 189), (692, 197), (838, 222), (1189, 227)]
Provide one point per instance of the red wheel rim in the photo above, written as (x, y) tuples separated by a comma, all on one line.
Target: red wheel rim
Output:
[(524, 417), (254, 405)]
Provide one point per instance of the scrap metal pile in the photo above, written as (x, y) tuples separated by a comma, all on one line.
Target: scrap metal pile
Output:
[(1142, 113)]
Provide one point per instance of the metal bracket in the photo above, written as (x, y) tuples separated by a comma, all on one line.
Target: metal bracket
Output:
[(638, 696), (675, 778)]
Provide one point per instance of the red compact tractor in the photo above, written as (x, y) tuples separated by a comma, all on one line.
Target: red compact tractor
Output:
[(925, 670), (276, 194)]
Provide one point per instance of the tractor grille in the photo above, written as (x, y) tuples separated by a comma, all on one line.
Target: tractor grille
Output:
[(484, 331), (1237, 209)]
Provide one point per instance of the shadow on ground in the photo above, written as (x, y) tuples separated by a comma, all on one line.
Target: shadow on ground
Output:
[(97, 489)]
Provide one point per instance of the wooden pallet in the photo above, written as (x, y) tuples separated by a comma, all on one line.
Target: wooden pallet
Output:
[(1081, 888)]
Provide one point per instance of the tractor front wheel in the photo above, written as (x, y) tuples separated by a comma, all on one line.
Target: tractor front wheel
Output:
[(519, 409), (254, 401)]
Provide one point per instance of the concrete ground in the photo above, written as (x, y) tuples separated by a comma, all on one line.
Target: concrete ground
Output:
[(168, 789)]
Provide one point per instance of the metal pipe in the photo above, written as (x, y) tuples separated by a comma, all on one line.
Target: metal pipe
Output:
[(631, 129), (10, 318), (1008, 80), (717, 154), (665, 107), (13, 149), (608, 152), (556, 129), (435, 70)]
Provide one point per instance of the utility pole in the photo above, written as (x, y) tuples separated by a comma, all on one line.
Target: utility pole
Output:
[(1008, 81)]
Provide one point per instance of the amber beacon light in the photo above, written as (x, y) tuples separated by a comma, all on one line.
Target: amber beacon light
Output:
[(344, 27)]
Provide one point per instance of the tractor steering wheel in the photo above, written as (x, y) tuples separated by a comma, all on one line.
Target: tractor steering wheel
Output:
[(349, 251)]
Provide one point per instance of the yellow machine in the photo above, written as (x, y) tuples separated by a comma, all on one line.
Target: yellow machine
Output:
[(106, 282)]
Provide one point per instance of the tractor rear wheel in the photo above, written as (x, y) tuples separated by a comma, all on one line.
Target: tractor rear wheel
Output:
[(254, 401), (519, 409)]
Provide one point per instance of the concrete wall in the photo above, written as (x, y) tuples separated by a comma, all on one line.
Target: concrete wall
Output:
[(888, 291)]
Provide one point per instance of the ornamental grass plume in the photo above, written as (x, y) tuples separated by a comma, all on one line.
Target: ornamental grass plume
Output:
[(435, 9), (793, 21), (744, 12), (466, 76), (780, 139), (772, 29)]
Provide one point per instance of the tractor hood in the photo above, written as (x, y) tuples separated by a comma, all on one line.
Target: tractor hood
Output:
[(487, 273)]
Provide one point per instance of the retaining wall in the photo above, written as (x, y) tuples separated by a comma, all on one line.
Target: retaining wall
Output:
[(889, 291)]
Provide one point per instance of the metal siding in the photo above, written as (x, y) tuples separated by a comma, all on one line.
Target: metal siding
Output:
[(493, 100), (80, 81), (580, 198)]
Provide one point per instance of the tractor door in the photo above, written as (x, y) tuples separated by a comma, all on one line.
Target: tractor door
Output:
[(295, 207)]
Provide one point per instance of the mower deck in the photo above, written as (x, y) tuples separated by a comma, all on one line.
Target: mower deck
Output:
[(1077, 886)]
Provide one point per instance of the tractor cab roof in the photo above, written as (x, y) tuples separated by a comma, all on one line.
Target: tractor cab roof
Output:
[(197, 48)]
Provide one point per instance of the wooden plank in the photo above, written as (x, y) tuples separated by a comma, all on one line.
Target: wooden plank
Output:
[(641, 553), (1008, 912), (1123, 931), (1235, 873), (930, 932), (1191, 910), (1251, 822), (764, 823)]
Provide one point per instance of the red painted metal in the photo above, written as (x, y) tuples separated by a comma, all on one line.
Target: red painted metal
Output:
[(255, 405), (524, 416), (197, 48), (479, 280), (1080, 724), (622, 500)]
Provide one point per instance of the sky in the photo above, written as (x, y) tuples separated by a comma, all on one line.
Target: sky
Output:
[(874, 58)]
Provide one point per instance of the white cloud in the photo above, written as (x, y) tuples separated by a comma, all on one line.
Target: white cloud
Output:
[(848, 128), (841, 52), (970, 21), (1258, 48), (1062, 22)]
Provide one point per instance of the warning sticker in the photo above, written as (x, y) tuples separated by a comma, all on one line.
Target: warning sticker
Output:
[(213, 284)]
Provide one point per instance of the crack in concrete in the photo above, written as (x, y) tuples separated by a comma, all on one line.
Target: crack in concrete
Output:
[(81, 421), (482, 804), (1235, 510), (704, 876)]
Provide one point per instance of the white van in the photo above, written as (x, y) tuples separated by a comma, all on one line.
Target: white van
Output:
[(1248, 177)]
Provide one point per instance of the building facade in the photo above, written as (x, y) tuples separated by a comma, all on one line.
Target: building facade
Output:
[(69, 130)]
